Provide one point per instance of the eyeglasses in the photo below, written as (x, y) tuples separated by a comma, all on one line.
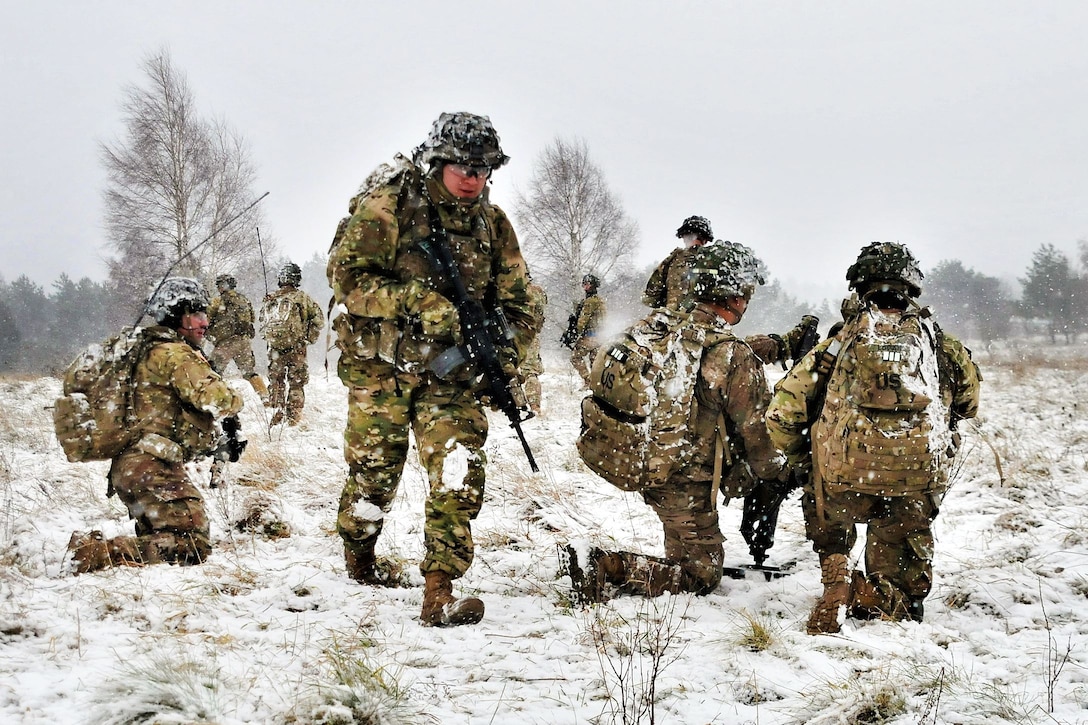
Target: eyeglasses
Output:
[(468, 172)]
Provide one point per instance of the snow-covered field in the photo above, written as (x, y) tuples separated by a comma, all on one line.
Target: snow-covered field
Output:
[(270, 630)]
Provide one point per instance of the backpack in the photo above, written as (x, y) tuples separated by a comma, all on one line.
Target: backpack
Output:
[(93, 418), (281, 322), (883, 428), (642, 403)]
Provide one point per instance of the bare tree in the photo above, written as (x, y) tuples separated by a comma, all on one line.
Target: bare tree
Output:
[(173, 181), (570, 222)]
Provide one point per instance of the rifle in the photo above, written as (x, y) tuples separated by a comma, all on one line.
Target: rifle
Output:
[(480, 333), (570, 335), (230, 449), (760, 513)]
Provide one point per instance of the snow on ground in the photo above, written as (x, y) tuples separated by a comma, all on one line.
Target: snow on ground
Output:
[(270, 630)]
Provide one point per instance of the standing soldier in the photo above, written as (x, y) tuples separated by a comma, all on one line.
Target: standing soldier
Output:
[(670, 284), (230, 328), (533, 366), (588, 318), (726, 445), (395, 320), (290, 320), (882, 399), (176, 402)]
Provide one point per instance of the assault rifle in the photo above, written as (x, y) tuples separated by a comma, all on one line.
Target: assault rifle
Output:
[(570, 335), (480, 333), (760, 514), (230, 449)]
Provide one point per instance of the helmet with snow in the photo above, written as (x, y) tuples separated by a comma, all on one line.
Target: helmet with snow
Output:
[(592, 280), (721, 270), (175, 297), (290, 275), (461, 138), (885, 262), (697, 225), (226, 280)]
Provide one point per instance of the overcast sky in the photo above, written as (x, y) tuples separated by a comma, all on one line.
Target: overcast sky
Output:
[(803, 129)]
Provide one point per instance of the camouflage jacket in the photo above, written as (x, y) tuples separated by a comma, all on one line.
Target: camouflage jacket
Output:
[(313, 318), (178, 396), (731, 383), (794, 406), (589, 314), (230, 315), (376, 268), (670, 284)]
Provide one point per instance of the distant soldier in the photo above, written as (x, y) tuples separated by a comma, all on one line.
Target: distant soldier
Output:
[(726, 445), (670, 284), (533, 366), (872, 413), (588, 317), (290, 320), (177, 400), (230, 329)]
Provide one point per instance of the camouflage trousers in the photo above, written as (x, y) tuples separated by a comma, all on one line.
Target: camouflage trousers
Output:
[(693, 538), (581, 356), (237, 350), (450, 428), (171, 523), (287, 378), (898, 538)]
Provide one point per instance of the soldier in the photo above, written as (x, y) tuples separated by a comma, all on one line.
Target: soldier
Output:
[(177, 400), (290, 320), (882, 399), (394, 321), (731, 393), (670, 284), (230, 328), (588, 318), (533, 366)]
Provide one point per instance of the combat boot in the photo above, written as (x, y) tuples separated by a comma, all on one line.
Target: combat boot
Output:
[(364, 567), (874, 597), (589, 579), (835, 577), (277, 417), (260, 388), (89, 552), (441, 608)]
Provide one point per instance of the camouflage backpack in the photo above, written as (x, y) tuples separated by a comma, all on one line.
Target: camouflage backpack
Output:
[(883, 428), (641, 405), (281, 322), (93, 418)]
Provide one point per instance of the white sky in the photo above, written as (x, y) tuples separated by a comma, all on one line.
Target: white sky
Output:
[(804, 130)]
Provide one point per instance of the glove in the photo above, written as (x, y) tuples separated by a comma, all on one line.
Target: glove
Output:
[(437, 316), (766, 347)]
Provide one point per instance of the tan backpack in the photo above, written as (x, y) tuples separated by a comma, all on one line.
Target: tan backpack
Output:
[(636, 420), (883, 428)]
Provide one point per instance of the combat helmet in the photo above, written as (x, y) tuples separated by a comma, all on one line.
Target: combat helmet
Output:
[(592, 280), (290, 275), (461, 138), (885, 262), (226, 280), (721, 270), (697, 225), (174, 297)]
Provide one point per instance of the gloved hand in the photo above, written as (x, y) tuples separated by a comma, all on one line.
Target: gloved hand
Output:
[(766, 347), (437, 316)]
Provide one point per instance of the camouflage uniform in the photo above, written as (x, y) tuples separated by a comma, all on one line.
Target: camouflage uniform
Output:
[(230, 327), (590, 315), (388, 297), (533, 366), (177, 399), (899, 538), (288, 372)]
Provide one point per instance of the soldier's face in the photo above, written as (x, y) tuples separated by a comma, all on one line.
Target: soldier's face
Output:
[(193, 327), (462, 185)]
